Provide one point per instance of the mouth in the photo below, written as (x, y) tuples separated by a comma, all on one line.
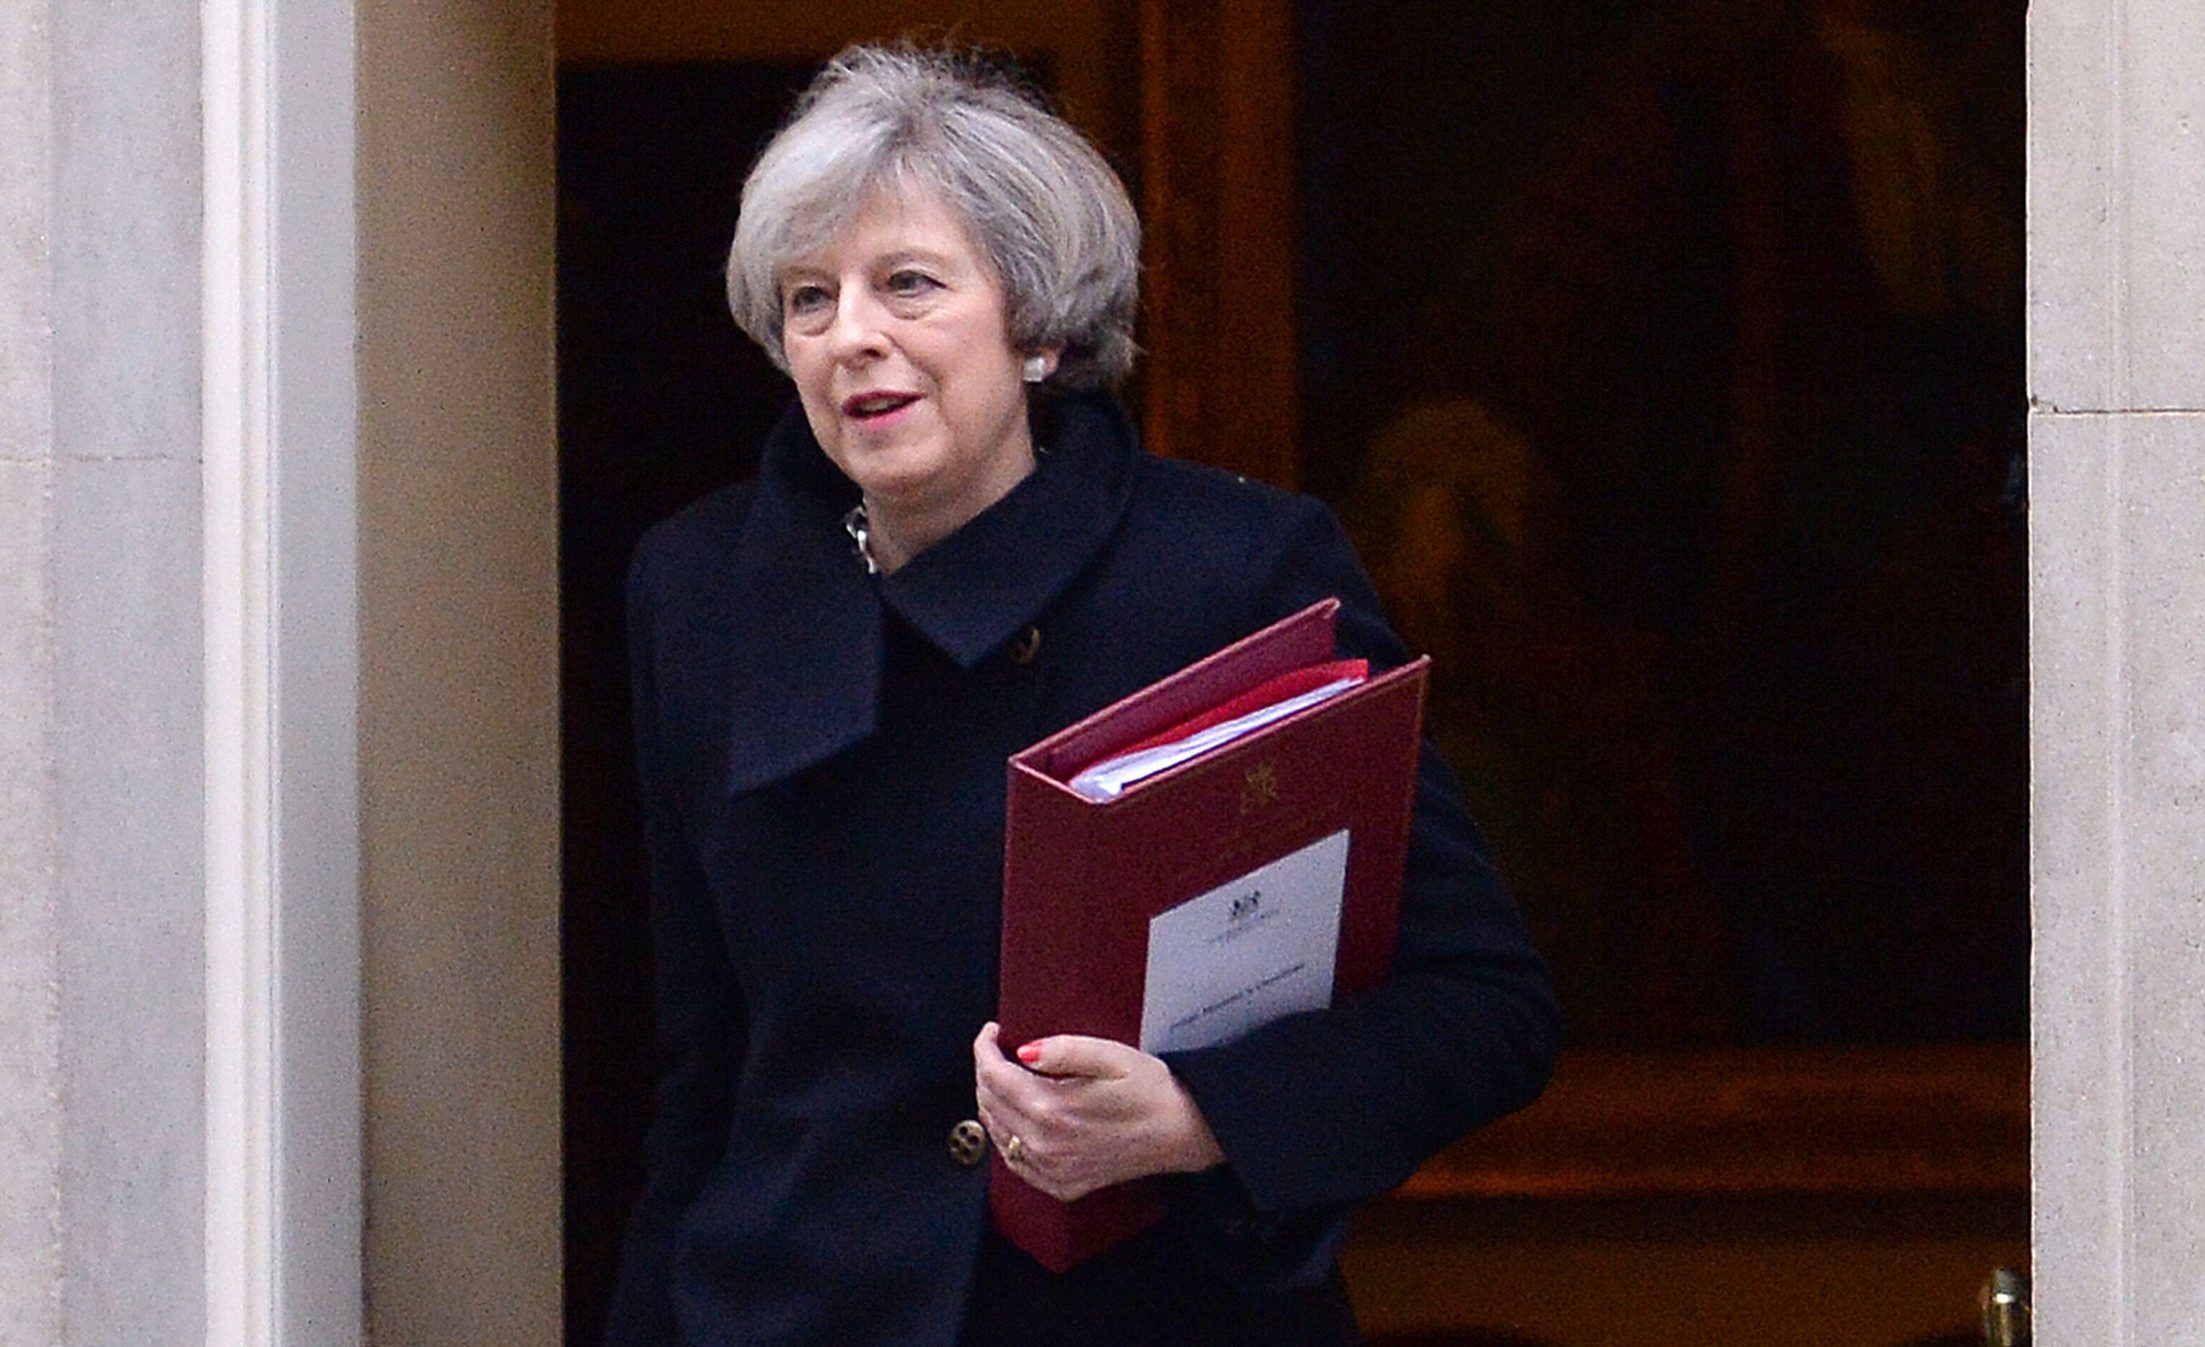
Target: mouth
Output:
[(876, 406)]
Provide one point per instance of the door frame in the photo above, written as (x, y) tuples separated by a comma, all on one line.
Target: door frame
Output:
[(283, 1214)]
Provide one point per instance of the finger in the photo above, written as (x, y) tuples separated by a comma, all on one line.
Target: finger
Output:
[(993, 1105), (987, 1043), (1003, 1123), (999, 1130), (1000, 1082), (1060, 1189), (992, 1072), (1010, 1099), (1019, 1153), (1077, 1055), (1001, 1113)]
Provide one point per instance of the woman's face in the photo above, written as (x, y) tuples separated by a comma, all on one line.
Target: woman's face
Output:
[(894, 332)]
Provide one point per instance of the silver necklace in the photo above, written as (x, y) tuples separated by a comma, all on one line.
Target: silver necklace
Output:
[(859, 525), (860, 528)]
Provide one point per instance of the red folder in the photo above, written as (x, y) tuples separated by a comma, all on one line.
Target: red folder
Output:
[(1082, 879)]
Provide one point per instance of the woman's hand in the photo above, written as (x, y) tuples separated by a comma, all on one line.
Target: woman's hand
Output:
[(1087, 1113)]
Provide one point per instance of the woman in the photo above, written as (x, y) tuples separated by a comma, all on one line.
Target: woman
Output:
[(953, 548)]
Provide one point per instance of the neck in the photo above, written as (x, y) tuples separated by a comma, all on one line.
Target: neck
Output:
[(900, 528)]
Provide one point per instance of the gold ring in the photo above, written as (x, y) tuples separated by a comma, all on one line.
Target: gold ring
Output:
[(1014, 1150)]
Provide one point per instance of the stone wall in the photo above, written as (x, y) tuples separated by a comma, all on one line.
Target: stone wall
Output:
[(100, 964), (30, 1111), (2117, 457)]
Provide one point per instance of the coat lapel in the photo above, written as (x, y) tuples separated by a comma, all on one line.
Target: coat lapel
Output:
[(807, 621), (983, 584)]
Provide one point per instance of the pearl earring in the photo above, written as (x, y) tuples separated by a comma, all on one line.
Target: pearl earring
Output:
[(1037, 368)]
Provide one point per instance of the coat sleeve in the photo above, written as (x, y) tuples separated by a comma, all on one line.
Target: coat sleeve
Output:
[(1344, 1104), (700, 1015)]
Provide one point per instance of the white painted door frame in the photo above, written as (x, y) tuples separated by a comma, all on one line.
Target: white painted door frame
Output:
[(283, 1084)]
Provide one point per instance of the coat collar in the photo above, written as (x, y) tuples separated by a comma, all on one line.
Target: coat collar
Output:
[(811, 622)]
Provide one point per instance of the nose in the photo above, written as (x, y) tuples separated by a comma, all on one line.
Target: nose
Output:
[(860, 329)]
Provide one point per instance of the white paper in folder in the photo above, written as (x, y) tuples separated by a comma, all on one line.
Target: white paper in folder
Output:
[(1247, 952), (1106, 780)]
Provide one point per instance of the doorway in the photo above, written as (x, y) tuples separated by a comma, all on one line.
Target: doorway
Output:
[(1674, 155)]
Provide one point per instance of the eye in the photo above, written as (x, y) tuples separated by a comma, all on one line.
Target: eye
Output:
[(907, 282), (803, 300)]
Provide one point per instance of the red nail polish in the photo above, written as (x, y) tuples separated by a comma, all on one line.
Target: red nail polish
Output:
[(1029, 1053)]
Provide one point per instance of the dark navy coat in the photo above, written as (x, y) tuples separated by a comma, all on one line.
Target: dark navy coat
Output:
[(823, 762)]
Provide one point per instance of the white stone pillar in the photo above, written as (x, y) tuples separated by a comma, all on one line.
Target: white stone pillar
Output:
[(2117, 467), (30, 1108), (100, 961)]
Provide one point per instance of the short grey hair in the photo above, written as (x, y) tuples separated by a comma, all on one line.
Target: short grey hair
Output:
[(1039, 201)]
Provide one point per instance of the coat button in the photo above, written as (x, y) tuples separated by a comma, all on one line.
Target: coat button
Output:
[(1026, 646), (968, 1142)]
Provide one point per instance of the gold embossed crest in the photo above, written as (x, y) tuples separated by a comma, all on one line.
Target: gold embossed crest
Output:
[(1259, 787)]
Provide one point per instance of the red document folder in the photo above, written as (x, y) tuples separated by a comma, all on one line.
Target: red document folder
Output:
[(1083, 879)]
